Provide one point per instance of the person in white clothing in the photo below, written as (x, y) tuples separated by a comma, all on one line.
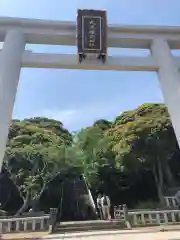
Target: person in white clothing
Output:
[(99, 207), (106, 204)]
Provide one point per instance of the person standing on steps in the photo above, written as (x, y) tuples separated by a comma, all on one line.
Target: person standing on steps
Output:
[(106, 204), (99, 206)]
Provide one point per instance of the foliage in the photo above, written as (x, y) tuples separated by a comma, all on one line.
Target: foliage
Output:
[(132, 158), (34, 155), (2, 213), (147, 205)]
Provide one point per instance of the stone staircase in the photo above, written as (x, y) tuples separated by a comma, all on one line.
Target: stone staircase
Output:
[(85, 226), (77, 212)]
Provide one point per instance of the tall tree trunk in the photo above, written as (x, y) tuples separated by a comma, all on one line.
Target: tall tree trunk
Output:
[(169, 176), (158, 176), (35, 205), (25, 205)]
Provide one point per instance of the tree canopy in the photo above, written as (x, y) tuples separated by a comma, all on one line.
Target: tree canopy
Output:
[(132, 158)]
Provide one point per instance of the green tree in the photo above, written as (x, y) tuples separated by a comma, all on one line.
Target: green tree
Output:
[(34, 156), (114, 156), (92, 145), (147, 143)]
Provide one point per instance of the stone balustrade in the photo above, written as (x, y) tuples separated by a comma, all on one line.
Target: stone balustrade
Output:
[(148, 217), (132, 218), (119, 212), (154, 217), (171, 202), (24, 224)]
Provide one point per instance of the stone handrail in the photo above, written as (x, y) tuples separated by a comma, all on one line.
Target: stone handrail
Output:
[(171, 202), (149, 217), (155, 217), (24, 224)]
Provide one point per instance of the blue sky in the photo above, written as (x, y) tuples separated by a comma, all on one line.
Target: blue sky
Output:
[(78, 98)]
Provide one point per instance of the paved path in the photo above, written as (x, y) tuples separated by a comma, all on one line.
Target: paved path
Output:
[(151, 233), (118, 235)]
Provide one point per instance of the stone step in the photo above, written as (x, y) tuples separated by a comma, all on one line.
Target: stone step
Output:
[(87, 223), (89, 226)]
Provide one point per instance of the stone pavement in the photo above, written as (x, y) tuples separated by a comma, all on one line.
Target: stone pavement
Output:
[(23, 235), (118, 235), (150, 233)]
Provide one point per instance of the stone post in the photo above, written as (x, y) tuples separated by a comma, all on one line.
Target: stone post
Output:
[(52, 219), (10, 66), (169, 78)]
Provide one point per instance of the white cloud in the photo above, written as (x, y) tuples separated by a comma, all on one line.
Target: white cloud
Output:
[(74, 119), (65, 116)]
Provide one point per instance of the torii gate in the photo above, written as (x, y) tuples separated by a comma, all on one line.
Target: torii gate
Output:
[(16, 32)]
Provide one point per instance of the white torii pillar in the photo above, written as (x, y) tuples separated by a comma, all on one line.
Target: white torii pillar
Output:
[(10, 66), (169, 77)]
